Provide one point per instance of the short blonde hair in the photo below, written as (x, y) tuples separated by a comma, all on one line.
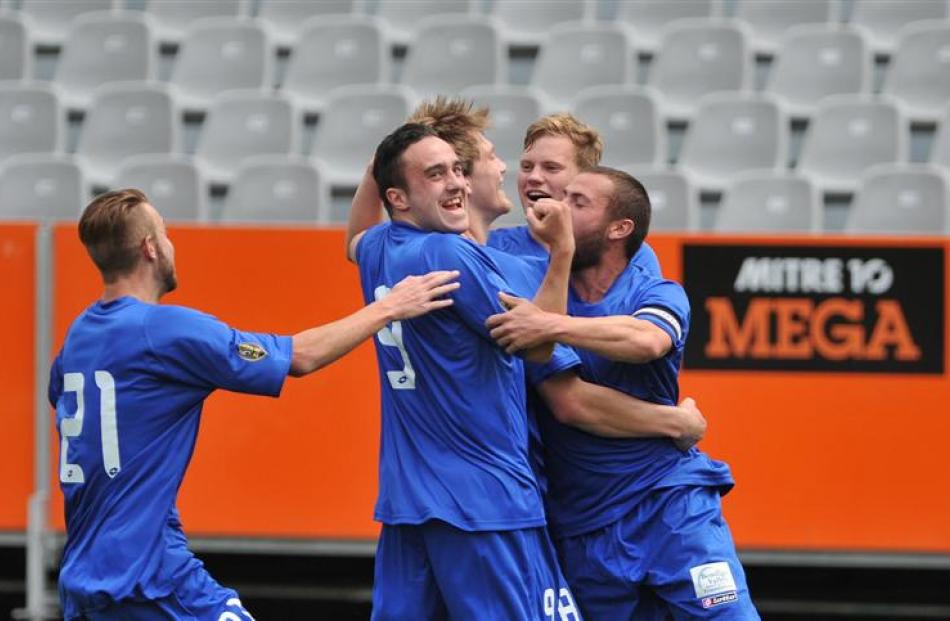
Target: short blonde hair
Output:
[(456, 121), (588, 146)]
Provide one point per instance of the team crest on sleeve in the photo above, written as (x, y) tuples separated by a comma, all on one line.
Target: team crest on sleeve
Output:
[(714, 584), (252, 352)]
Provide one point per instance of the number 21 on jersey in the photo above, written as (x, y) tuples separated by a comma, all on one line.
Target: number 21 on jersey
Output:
[(391, 336), (71, 427)]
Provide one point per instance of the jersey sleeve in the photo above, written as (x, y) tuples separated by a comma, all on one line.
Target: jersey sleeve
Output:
[(196, 348), (664, 304), (562, 359), (646, 259)]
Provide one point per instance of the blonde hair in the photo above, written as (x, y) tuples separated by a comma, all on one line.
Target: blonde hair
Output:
[(456, 121), (111, 227), (588, 147)]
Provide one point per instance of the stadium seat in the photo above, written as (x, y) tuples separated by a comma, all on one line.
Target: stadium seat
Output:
[(355, 119), (101, 48), (769, 201), (335, 51), (901, 199), (275, 188), (697, 57), (674, 201), (513, 109), (940, 153), (577, 55), (883, 19), (526, 23), (172, 182), (401, 18), (849, 134), (220, 54), (646, 19), (628, 121), (31, 119), (50, 21), (125, 119), (919, 73), (733, 132), (16, 53), (817, 61), (41, 186), (453, 52), (767, 20), (287, 19), (241, 124), (173, 18)]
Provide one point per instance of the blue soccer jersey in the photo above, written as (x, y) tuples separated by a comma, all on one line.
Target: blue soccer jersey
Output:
[(128, 388), (517, 240), (454, 443), (594, 481)]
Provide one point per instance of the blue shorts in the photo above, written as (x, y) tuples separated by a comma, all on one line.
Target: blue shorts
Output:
[(672, 555), (435, 571), (197, 598)]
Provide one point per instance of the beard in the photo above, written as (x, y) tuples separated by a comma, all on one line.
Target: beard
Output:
[(167, 279), (588, 250)]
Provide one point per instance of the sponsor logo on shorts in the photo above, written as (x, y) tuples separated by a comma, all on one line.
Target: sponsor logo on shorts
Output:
[(252, 352), (724, 598), (712, 579)]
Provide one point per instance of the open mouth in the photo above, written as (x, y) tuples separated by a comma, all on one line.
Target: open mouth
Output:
[(453, 204), (536, 195)]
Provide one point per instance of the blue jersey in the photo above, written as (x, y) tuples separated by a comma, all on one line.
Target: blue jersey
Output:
[(454, 437), (595, 481), (128, 388), (517, 240)]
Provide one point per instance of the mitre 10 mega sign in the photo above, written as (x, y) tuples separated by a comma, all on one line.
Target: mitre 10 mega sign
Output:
[(815, 308)]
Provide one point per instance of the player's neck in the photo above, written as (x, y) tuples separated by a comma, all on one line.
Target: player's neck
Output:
[(139, 286), (592, 283), (478, 226)]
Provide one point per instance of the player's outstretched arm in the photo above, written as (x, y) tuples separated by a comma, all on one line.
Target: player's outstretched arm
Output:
[(366, 211), (610, 413), (411, 297)]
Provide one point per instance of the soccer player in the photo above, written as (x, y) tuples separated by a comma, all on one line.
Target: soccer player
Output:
[(128, 387), (638, 523), (463, 532)]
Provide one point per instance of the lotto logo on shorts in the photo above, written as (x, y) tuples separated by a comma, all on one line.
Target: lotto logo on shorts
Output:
[(712, 579), (725, 598)]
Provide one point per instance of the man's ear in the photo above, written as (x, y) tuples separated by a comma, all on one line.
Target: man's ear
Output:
[(620, 229), (398, 198), (149, 248)]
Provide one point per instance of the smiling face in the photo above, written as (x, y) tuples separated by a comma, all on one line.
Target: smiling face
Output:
[(547, 166), (435, 195), (488, 175)]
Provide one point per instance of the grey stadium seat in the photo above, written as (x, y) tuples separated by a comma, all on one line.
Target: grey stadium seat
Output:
[(919, 74), (173, 18), (101, 48), (401, 18), (287, 19), (16, 53), (51, 21), (241, 124), (274, 188), (769, 19), (355, 120), (172, 182), (578, 55), (628, 120), (698, 57), (41, 187), (901, 199), (453, 52), (769, 201), (528, 22), (220, 54), (883, 19), (31, 119), (817, 61), (513, 109), (335, 51), (674, 200), (645, 19), (849, 134), (940, 154), (125, 119), (733, 132)]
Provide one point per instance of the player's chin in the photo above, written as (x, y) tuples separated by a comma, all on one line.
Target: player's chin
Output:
[(456, 223)]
